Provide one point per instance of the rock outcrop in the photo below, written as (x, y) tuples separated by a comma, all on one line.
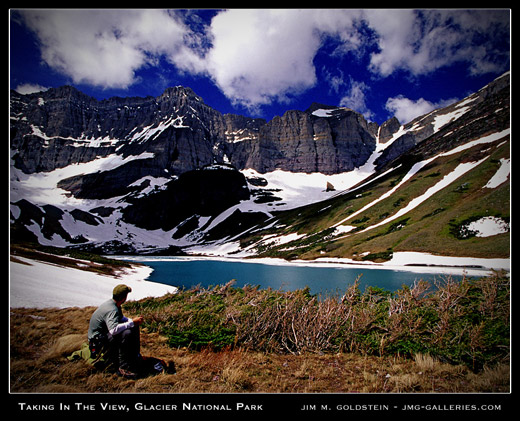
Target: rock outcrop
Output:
[(203, 192)]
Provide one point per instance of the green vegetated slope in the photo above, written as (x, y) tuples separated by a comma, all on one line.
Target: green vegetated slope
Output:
[(346, 226)]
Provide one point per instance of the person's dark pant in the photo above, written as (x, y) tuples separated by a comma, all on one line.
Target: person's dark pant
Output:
[(128, 344)]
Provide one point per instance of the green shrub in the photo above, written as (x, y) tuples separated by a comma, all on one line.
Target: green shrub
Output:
[(459, 322)]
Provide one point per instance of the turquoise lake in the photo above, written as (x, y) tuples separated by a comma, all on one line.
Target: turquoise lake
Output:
[(329, 280)]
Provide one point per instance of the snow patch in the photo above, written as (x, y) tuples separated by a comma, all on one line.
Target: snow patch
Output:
[(343, 229), (488, 226), (239, 136), (483, 140), (155, 184), (408, 257), (300, 189), (77, 142), (150, 131), (443, 119), (501, 175), (283, 239), (324, 113)]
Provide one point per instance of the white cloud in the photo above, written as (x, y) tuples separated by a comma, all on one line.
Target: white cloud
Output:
[(30, 88), (253, 56), (106, 47), (336, 82), (395, 29), (263, 55), (424, 41), (355, 99), (406, 109)]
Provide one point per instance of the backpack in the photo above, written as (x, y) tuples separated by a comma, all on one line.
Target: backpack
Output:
[(101, 359)]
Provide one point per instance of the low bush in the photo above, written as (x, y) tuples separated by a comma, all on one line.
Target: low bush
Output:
[(457, 322)]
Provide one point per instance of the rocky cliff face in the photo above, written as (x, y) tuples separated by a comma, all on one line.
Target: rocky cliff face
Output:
[(180, 133), (52, 129), (322, 139)]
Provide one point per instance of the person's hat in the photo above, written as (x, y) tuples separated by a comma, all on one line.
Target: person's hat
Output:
[(121, 290)]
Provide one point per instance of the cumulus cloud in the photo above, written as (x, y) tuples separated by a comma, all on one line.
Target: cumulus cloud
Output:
[(253, 56), (256, 57), (406, 109), (423, 41), (263, 55), (30, 88), (106, 47)]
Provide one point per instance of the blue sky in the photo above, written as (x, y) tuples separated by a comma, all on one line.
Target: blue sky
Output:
[(262, 62)]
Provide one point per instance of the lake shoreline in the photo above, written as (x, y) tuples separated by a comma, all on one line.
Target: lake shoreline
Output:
[(41, 284), (401, 261)]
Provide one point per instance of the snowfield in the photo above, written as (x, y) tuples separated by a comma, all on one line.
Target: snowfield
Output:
[(40, 285), (42, 188), (428, 263)]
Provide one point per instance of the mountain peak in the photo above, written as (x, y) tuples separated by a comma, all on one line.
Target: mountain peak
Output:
[(64, 92), (318, 106), (179, 91)]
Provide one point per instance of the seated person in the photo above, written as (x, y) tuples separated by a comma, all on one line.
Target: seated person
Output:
[(110, 330)]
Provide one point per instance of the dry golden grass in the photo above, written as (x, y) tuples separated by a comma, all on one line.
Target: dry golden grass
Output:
[(40, 340)]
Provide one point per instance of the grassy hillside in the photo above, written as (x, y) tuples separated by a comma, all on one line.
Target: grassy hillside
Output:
[(434, 226)]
